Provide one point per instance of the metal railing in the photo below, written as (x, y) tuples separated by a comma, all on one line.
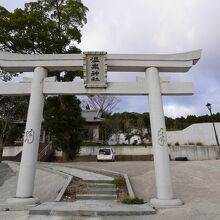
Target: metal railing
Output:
[(45, 152)]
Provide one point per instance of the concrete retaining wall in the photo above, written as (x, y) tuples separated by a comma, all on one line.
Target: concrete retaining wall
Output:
[(88, 153), (119, 150), (192, 152), (11, 151), (195, 152)]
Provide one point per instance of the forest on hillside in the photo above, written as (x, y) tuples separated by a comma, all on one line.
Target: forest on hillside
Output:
[(181, 122), (133, 123), (126, 120)]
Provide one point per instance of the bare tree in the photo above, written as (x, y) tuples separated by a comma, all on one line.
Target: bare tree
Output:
[(105, 104)]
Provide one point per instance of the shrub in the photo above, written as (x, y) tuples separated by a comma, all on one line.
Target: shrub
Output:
[(199, 143), (119, 181), (177, 144), (132, 201), (191, 143)]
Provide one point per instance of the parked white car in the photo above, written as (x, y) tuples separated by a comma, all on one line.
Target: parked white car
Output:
[(105, 154)]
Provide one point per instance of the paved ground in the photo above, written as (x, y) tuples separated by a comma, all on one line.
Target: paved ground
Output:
[(47, 186), (85, 175), (5, 173), (197, 183)]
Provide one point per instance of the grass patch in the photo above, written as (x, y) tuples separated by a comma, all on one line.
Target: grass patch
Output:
[(122, 192), (121, 187), (132, 201), (119, 181)]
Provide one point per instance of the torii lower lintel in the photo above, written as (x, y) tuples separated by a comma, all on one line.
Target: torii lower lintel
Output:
[(114, 88)]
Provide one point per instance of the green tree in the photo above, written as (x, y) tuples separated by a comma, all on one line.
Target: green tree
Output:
[(46, 26), (111, 126), (127, 130), (62, 121), (181, 122), (141, 129), (13, 111)]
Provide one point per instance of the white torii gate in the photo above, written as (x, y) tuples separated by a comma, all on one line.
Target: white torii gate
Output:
[(151, 85)]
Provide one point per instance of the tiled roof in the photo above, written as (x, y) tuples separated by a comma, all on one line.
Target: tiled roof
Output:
[(92, 116)]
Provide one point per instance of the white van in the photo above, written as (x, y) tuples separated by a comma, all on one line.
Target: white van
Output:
[(105, 154)]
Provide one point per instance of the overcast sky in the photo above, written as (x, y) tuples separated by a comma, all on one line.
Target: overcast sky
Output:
[(158, 26)]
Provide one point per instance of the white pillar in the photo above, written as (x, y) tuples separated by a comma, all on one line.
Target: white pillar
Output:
[(165, 196), (25, 185), (44, 137), (96, 133)]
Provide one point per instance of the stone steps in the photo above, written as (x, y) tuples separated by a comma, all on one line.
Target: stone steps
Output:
[(96, 196), (101, 185), (97, 190), (95, 181)]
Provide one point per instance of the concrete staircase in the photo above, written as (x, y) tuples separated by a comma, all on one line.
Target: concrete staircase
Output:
[(97, 190), (45, 153), (97, 198)]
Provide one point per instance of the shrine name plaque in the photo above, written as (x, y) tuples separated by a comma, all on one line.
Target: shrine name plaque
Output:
[(95, 69)]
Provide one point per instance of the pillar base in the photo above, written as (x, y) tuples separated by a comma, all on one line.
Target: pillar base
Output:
[(166, 203), (21, 203)]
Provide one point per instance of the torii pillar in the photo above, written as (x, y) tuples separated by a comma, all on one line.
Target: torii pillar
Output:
[(165, 197), (26, 177)]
